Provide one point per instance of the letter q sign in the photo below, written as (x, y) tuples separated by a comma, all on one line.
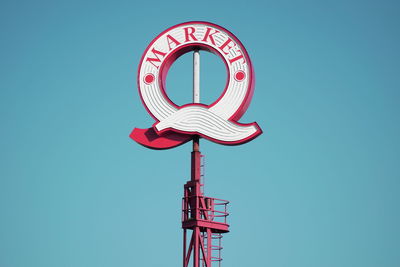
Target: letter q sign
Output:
[(217, 122)]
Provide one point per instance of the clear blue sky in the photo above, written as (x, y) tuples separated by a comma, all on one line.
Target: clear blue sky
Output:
[(320, 188)]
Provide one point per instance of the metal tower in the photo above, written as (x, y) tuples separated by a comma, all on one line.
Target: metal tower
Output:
[(204, 216)]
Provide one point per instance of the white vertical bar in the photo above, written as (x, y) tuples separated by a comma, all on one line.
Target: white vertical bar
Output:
[(196, 76)]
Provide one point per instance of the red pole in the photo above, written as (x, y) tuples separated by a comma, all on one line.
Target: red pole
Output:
[(196, 194), (184, 247), (196, 159)]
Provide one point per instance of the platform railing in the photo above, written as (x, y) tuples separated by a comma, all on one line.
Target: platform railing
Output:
[(209, 209)]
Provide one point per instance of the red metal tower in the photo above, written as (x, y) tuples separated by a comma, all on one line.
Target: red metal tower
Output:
[(175, 125), (204, 216)]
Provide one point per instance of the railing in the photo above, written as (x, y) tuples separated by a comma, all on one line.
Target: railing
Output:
[(209, 209)]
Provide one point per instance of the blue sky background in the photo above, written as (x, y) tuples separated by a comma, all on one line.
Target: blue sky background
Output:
[(320, 188)]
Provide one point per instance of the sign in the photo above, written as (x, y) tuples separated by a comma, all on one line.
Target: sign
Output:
[(217, 122)]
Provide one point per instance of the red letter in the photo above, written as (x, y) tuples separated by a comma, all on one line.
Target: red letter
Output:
[(171, 40), (238, 57), (187, 34), (226, 44), (156, 59), (207, 34)]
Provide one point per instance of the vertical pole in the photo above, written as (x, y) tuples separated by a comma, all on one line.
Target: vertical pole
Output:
[(184, 247), (196, 76), (196, 248), (209, 246), (196, 91), (193, 195), (196, 99), (196, 158)]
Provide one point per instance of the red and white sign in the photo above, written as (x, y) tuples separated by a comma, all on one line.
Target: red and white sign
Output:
[(217, 122)]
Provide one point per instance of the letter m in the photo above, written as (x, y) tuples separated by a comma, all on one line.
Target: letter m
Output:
[(156, 58)]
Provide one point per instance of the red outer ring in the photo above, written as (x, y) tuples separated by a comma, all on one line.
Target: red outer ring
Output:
[(190, 47)]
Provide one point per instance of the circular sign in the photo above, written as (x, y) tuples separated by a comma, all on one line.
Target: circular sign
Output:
[(218, 121)]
